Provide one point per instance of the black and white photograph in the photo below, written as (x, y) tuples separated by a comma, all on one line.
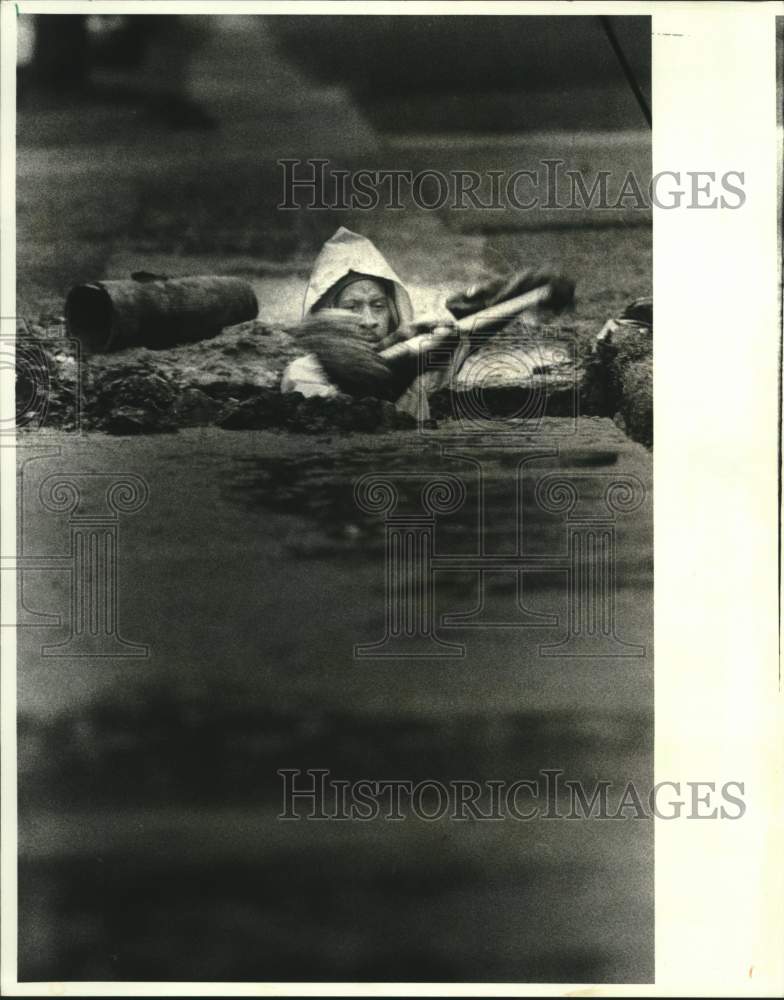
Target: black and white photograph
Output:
[(333, 461)]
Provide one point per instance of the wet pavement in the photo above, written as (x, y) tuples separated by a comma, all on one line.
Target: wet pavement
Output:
[(251, 574)]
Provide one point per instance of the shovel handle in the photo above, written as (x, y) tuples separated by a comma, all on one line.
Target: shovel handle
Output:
[(471, 324)]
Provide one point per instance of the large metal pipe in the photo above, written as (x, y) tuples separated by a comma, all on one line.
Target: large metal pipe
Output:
[(156, 312)]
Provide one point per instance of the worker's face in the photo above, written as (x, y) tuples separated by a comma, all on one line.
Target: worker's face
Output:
[(367, 299)]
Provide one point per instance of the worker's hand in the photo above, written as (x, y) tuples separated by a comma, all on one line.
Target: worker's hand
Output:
[(441, 325)]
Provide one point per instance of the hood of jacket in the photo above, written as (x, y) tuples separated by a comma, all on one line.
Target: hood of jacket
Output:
[(349, 253)]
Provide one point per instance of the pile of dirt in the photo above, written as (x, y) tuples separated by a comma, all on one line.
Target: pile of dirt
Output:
[(144, 391), (232, 381), (316, 415), (618, 372), (48, 383)]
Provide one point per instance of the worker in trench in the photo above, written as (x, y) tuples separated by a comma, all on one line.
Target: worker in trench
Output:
[(355, 308)]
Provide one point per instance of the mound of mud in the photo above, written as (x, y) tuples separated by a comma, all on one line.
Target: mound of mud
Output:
[(316, 415), (618, 373), (232, 381)]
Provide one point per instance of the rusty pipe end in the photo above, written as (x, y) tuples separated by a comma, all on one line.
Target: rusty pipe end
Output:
[(88, 317)]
